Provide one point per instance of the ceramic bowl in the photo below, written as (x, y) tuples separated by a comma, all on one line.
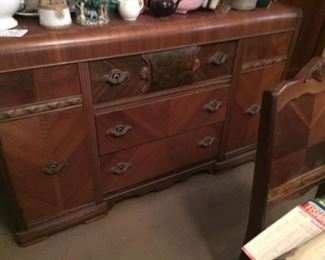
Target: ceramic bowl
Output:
[(244, 5), (7, 9), (187, 5)]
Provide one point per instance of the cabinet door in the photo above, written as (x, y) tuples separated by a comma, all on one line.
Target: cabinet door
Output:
[(47, 159), (244, 115)]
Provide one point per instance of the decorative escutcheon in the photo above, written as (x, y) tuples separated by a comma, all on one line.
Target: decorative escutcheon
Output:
[(212, 106), (253, 110), (116, 76), (219, 58), (53, 168), (118, 130), (206, 141), (120, 168)]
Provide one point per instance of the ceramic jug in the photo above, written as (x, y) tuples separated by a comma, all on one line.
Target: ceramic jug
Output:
[(130, 9)]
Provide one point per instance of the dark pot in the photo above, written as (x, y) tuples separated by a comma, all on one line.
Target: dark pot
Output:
[(161, 8), (263, 3)]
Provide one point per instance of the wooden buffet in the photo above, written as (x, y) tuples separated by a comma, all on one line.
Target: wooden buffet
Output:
[(90, 116)]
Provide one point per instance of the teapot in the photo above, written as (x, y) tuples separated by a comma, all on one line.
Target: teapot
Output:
[(130, 9), (162, 8)]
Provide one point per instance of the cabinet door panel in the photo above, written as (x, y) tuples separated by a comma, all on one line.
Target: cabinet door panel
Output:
[(31, 148), (244, 116)]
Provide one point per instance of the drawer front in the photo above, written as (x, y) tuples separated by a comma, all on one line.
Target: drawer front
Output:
[(266, 50), (132, 166), (119, 77), (134, 126), (215, 60), (136, 75), (244, 117), (29, 86)]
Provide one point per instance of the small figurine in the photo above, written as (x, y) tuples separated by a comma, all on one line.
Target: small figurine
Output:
[(92, 12)]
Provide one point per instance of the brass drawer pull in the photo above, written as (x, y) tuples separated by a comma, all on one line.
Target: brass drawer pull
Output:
[(116, 76), (212, 106), (118, 130), (219, 58), (207, 141), (120, 168), (53, 168), (253, 110)]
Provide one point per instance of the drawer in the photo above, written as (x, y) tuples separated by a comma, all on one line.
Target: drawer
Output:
[(135, 165), (266, 50), (139, 74), (122, 129), (216, 60), (29, 86)]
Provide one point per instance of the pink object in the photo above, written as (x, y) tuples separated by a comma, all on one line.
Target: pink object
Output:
[(187, 5)]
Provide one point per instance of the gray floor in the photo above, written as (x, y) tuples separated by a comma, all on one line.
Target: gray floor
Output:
[(202, 218)]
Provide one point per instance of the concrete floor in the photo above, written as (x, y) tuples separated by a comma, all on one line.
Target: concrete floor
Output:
[(203, 218)]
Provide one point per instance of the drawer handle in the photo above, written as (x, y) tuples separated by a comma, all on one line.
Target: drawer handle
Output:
[(253, 110), (120, 168), (219, 58), (53, 168), (207, 141), (118, 130), (116, 76), (212, 106)]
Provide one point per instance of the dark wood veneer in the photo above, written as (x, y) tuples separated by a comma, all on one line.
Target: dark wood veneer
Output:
[(243, 124), (160, 119), (159, 157), (120, 110), (41, 46), (290, 152), (31, 86), (30, 144)]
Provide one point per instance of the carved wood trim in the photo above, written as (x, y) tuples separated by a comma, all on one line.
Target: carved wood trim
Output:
[(27, 110), (262, 63), (297, 184)]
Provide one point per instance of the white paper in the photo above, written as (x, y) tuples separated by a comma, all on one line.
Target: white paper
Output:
[(13, 33), (292, 230)]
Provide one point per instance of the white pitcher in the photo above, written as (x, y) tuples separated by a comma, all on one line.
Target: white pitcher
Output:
[(130, 9)]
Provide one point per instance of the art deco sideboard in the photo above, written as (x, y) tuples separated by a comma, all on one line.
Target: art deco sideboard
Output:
[(90, 116)]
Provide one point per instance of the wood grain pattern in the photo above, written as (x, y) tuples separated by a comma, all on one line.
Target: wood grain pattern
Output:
[(160, 119), (159, 157), (31, 86), (249, 93), (177, 128), (133, 85), (290, 156), (155, 71), (119, 38), (266, 47), (29, 144), (210, 70)]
